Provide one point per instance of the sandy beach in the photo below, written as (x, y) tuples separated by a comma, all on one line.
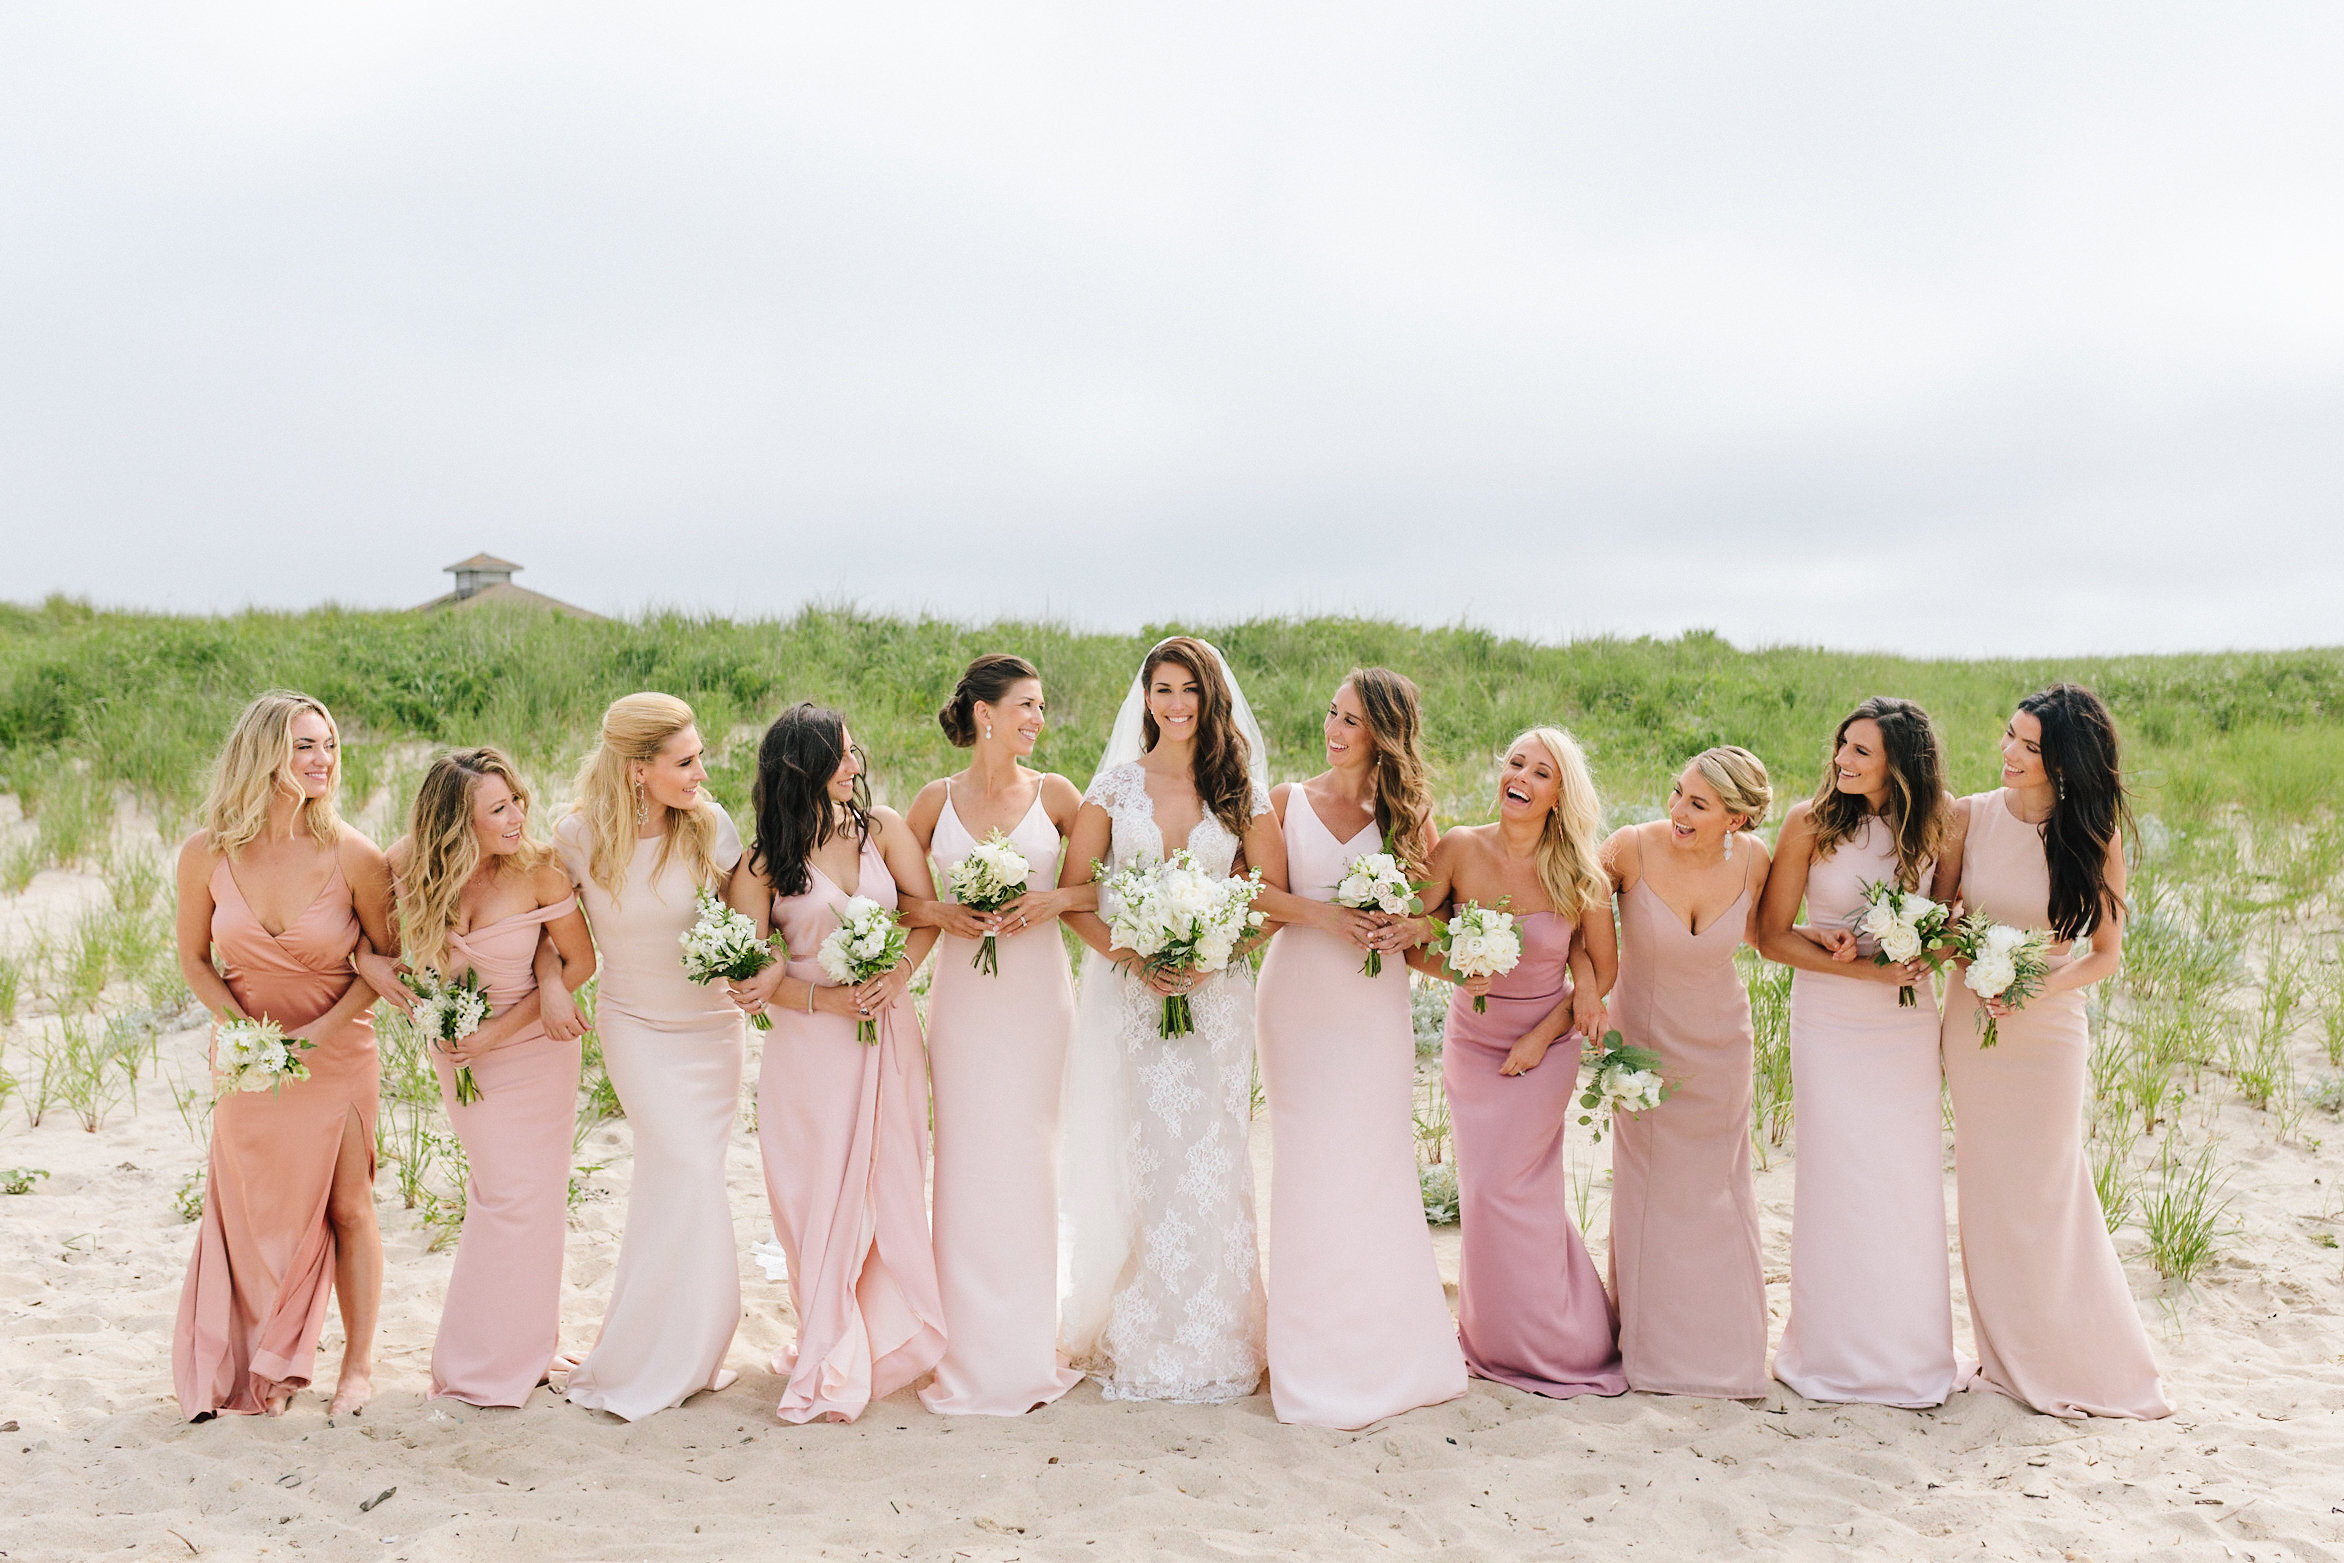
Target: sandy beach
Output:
[(99, 1465)]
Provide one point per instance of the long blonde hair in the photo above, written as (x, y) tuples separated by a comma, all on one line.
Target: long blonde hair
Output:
[(634, 730), (256, 764), (443, 849), (1569, 869)]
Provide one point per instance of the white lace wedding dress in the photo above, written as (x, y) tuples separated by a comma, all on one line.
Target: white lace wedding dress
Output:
[(1165, 1290)]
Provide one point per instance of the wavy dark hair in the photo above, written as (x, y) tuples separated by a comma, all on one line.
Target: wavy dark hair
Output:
[(2085, 762), (1403, 793), (791, 800), (1218, 768), (987, 679), (1917, 812)]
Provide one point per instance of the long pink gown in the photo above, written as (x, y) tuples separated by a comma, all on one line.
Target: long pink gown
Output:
[(997, 1054), (673, 1049), (844, 1132), (502, 1318), (2054, 1318), (263, 1267), (1871, 1291), (1685, 1263), (1531, 1310), (1359, 1328)]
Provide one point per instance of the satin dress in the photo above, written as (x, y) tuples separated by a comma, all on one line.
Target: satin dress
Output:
[(254, 1302)]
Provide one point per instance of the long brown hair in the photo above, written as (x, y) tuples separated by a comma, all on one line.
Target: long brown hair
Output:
[(1403, 794), (443, 849), (1916, 812), (2085, 762), (790, 798), (1219, 767)]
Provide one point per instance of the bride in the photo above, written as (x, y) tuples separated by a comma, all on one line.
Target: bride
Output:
[(1161, 1278)]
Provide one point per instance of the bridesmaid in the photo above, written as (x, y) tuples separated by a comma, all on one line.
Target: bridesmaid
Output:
[(1685, 1261), (1531, 1310), (997, 1053), (643, 838), (284, 891), (843, 1127), (1871, 1294), (1359, 1328), (475, 893), (2054, 1319)]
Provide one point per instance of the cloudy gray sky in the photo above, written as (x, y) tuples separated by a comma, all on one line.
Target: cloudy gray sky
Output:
[(1969, 328)]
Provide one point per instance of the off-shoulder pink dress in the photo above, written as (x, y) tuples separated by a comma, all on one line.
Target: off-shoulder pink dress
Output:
[(1530, 1308), (1871, 1288), (502, 1318), (1359, 1326), (2054, 1318), (997, 1054), (844, 1132), (263, 1267)]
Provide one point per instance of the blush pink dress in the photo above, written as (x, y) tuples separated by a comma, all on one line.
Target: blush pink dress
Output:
[(2055, 1322), (1871, 1290), (1531, 1310), (502, 1318), (1359, 1328), (263, 1267), (674, 1052), (1685, 1260), (844, 1132), (997, 1054)]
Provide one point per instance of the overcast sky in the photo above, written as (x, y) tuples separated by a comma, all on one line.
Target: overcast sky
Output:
[(1943, 329)]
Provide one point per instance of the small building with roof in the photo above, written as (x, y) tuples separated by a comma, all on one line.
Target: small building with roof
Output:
[(484, 578)]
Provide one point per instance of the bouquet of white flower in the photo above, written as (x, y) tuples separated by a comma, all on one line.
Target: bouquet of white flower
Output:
[(867, 943), (1376, 882), (448, 1012), (1177, 917), (988, 879), (1480, 941), (255, 1055), (2006, 963), (724, 943), (1620, 1078), (1908, 926)]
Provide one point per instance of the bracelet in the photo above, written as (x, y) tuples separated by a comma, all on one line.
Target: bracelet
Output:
[(809, 995)]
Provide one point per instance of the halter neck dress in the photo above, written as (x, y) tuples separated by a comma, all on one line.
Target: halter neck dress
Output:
[(258, 1281), (502, 1319), (997, 1055), (844, 1132), (1685, 1264), (1359, 1326), (2054, 1319)]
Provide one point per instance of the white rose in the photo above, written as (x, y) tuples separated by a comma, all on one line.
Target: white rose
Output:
[(1878, 918), (1900, 943)]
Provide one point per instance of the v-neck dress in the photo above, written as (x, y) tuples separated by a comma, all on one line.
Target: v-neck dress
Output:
[(263, 1267), (844, 1132), (1359, 1326), (1686, 1271)]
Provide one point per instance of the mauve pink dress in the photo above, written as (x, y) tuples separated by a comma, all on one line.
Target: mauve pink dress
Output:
[(1359, 1327), (997, 1054), (502, 1318), (255, 1297), (2054, 1318), (844, 1132), (1531, 1310), (1685, 1261), (1871, 1289)]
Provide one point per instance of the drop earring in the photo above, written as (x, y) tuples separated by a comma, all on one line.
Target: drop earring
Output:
[(988, 732), (1729, 846), (642, 810)]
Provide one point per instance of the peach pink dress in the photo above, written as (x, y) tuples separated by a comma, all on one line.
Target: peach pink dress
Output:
[(1871, 1290), (1359, 1328), (674, 1053), (997, 1054), (844, 1132), (1531, 1310), (502, 1318), (2055, 1321), (255, 1297), (1684, 1215)]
